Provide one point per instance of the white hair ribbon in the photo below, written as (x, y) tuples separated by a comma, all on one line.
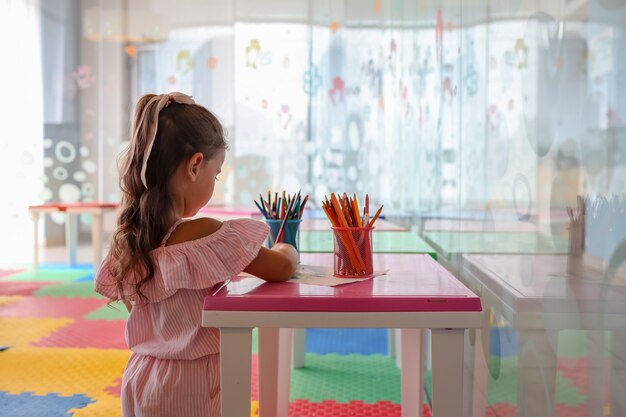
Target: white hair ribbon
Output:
[(157, 103)]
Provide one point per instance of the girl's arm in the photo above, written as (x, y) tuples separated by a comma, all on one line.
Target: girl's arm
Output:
[(276, 264)]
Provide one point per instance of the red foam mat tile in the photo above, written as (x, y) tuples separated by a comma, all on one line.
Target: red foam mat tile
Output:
[(51, 307), (100, 334), (23, 287), (7, 272), (115, 389), (329, 408), (560, 410)]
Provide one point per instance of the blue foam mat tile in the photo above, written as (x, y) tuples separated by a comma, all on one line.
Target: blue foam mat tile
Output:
[(347, 341), (60, 265), (86, 278), (503, 341), (51, 405)]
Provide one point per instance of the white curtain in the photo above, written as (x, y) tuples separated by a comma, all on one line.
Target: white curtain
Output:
[(21, 123)]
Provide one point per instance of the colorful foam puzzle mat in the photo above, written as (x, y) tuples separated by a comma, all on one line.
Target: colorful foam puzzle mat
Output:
[(62, 353)]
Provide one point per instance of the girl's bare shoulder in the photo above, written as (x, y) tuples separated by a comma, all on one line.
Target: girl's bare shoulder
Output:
[(193, 229)]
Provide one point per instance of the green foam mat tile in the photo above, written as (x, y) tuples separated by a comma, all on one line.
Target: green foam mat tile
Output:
[(63, 275), (503, 389), (572, 343), (345, 378), (72, 289), (115, 311)]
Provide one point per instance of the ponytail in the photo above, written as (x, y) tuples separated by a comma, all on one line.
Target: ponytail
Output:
[(167, 129)]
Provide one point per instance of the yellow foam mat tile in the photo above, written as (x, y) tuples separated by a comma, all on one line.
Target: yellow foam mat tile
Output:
[(7, 299), (61, 370), (21, 331)]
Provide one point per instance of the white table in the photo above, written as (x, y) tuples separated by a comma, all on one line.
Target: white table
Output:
[(72, 212), (535, 295), (417, 293)]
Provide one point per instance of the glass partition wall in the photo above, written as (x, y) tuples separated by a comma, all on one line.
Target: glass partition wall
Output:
[(495, 129)]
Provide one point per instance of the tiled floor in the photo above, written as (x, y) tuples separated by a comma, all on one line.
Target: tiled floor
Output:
[(65, 355)]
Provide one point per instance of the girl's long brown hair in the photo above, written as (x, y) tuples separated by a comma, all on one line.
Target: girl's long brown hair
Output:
[(146, 214)]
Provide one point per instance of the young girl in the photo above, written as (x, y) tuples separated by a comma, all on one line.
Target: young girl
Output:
[(162, 266)]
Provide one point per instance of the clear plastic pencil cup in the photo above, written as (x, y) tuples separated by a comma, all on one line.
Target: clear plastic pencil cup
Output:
[(352, 252), (291, 234)]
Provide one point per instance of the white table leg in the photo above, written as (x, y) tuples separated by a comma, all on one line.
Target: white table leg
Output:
[(96, 238), (397, 335), (35, 215), (391, 342), (595, 373), (71, 236), (480, 370), (299, 347), (397, 347), (235, 370), (428, 356), (477, 359), (618, 373), (536, 372), (412, 374), (274, 371), (447, 354)]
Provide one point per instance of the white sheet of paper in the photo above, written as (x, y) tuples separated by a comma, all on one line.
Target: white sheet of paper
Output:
[(323, 275)]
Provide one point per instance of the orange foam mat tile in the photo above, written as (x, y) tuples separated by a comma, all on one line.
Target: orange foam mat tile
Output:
[(6, 300)]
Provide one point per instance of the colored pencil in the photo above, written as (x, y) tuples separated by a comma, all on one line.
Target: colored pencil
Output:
[(306, 198), (282, 226), (352, 246), (355, 205), (263, 212), (366, 214), (371, 223), (276, 208)]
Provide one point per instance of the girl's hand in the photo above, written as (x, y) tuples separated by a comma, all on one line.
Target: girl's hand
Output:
[(288, 250), (276, 264)]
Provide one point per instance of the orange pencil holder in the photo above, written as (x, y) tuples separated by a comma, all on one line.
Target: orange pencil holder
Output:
[(352, 252)]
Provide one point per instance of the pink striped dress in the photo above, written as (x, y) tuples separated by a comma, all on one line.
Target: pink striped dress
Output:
[(174, 366)]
